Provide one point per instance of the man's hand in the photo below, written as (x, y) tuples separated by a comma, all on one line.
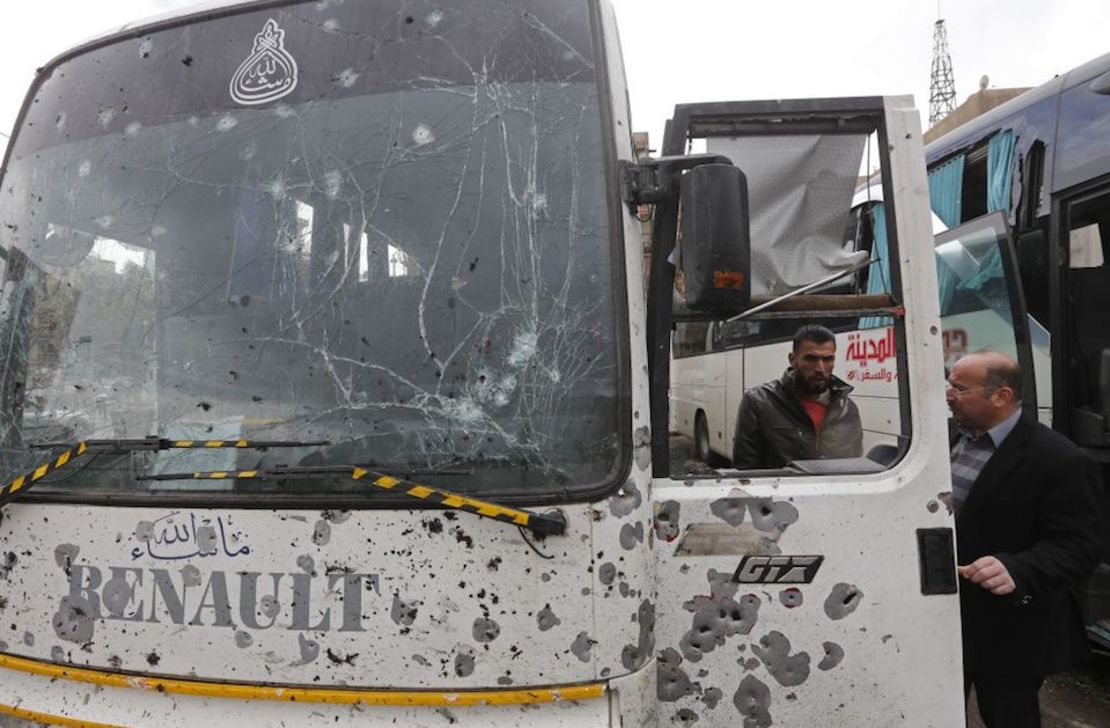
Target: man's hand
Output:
[(989, 573)]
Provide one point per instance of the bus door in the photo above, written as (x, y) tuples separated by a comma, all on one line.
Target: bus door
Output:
[(982, 304), (1082, 405), (825, 586)]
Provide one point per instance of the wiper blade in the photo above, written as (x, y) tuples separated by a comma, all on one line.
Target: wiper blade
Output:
[(144, 444), (540, 524)]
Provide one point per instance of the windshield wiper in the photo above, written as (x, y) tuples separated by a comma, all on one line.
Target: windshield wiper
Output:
[(161, 443), (540, 524), (74, 452)]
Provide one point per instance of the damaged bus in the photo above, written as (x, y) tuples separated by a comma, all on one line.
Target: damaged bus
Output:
[(331, 391)]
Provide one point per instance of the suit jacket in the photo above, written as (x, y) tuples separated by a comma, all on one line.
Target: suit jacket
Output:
[(1035, 506)]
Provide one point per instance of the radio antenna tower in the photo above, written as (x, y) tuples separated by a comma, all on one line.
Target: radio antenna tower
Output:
[(942, 87)]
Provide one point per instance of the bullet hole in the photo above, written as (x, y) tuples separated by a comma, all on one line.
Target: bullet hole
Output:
[(310, 649), (729, 510), (187, 61), (9, 562), (626, 500), (473, 265), (842, 601), (339, 659), (494, 563), (153, 658), (321, 533), (633, 657), (834, 653), (768, 515), (485, 630), (711, 697), (582, 646), (204, 406), (672, 683), (464, 664), (403, 612), (546, 618), (753, 700), (791, 597), (666, 523), (408, 20), (789, 670), (64, 556), (631, 534)]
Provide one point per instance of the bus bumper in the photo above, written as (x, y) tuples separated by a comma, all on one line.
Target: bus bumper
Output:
[(40, 692)]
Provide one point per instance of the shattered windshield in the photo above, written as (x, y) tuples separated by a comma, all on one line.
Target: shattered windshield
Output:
[(386, 229)]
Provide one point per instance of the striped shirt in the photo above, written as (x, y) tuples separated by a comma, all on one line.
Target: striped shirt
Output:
[(971, 454)]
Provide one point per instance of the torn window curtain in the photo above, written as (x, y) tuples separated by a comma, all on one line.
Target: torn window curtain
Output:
[(1000, 157), (797, 229), (946, 184), (878, 281)]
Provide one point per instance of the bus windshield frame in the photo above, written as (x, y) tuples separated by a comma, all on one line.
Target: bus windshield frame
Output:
[(496, 138)]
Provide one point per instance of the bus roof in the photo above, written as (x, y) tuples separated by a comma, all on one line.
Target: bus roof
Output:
[(979, 128)]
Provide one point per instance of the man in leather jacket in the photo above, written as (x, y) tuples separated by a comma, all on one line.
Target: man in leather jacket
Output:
[(806, 415)]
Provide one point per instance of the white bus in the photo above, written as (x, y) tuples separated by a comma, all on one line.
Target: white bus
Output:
[(331, 393)]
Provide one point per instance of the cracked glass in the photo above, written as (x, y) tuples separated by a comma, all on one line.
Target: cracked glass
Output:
[(403, 249)]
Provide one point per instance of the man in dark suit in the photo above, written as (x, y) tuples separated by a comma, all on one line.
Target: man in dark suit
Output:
[(1027, 529)]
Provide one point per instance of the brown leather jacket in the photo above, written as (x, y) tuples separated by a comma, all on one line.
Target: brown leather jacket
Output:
[(773, 428)]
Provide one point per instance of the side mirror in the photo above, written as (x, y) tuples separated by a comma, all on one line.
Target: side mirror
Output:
[(714, 251)]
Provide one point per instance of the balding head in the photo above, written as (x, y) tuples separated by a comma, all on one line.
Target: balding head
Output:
[(984, 389)]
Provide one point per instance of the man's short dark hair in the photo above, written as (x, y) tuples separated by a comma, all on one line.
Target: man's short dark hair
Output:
[(816, 333), (1004, 373)]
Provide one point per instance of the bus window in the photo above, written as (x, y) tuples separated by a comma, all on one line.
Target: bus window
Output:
[(800, 234), (690, 338)]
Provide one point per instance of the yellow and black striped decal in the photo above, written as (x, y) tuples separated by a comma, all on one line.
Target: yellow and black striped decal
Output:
[(24, 482), (198, 444), (540, 524)]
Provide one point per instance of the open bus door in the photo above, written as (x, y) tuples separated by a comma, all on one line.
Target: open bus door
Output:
[(799, 573), (982, 303), (1080, 279)]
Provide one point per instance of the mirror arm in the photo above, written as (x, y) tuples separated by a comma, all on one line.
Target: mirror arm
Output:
[(804, 289)]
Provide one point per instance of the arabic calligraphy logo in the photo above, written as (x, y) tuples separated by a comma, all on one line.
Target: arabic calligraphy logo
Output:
[(172, 538), (269, 73)]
